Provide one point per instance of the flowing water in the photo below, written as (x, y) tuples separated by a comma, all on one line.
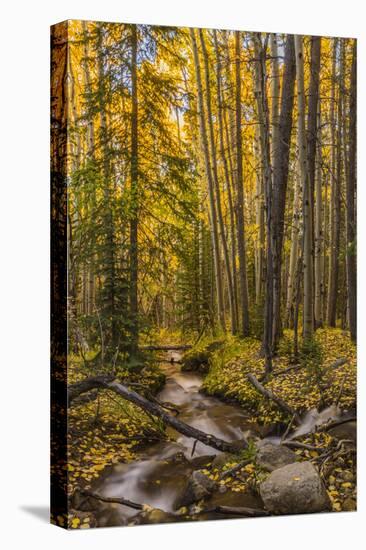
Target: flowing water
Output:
[(160, 475)]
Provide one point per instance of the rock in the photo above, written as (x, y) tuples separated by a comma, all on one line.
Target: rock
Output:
[(178, 458), (239, 445), (153, 516), (348, 430), (198, 487), (271, 457), (202, 461), (349, 505), (84, 503), (295, 489), (221, 459)]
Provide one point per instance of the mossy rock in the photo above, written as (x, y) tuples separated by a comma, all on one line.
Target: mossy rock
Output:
[(197, 359)]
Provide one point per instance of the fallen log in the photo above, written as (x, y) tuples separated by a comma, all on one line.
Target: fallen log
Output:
[(338, 363), (288, 369), (241, 511), (113, 500), (86, 385), (335, 423), (299, 445), (154, 409), (268, 394), (173, 422), (172, 347), (85, 398)]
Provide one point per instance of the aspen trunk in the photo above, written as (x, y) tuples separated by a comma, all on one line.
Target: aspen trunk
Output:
[(350, 189), (281, 154), (335, 199), (231, 272), (244, 303), (263, 119), (134, 196), (217, 185), (275, 95), (312, 126), (308, 317), (318, 237), (259, 206), (294, 252), (230, 146), (210, 184)]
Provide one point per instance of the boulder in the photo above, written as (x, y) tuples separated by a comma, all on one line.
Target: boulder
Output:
[(198, 487), (271, 457), (295, 489), (153, 516), (221, 459), (348, 430), (201, 461)]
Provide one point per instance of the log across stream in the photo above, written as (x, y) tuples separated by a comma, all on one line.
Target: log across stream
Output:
[(160, 474)]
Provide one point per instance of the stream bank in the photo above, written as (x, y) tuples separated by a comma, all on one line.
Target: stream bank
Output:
[(157, 475)]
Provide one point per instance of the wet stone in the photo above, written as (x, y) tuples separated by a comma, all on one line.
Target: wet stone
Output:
[(221, 459), (270, 457), (202, 461), (198, 487), (295, 489)]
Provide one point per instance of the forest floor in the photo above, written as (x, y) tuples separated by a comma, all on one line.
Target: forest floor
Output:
[(108, 430), (316, 382)]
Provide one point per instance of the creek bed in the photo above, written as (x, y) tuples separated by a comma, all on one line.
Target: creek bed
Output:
[(160, 474)]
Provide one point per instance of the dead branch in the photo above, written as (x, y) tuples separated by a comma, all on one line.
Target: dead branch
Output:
[(269, 395), (171, 347), (113, 500), (154, 409), (237, 511), (299, 445)]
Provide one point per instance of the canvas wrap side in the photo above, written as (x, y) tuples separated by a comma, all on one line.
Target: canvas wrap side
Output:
[(59, 132)]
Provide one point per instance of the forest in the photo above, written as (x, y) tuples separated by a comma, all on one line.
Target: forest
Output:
[(211, 272)]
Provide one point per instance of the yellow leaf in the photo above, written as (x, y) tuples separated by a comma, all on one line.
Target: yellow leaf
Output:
[(75, 523)]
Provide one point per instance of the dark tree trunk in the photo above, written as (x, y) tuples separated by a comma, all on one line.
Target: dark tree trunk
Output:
[(244, 302), (134, 196), (351, 190), (210, 184), (280, 178)]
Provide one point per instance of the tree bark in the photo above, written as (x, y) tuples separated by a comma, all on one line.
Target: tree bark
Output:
[(351, 190), (281, 155), (216, 183), (272, 397), (263, 120), (318, 237), (154, 409), (134, 196), (210, 184), (332, 298), (109, 309), (294, 252), (312, 119), (308, 317), (229, 270), (244, 301)]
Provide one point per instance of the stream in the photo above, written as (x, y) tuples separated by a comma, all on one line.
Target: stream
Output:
[(161, 472)]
